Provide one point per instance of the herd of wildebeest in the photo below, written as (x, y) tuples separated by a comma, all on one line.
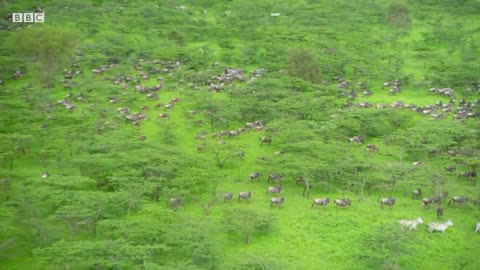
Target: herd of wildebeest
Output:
[(146, 69)]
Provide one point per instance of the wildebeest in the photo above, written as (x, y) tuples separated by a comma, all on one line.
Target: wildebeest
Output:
[(174, 202), (255, 175), (411, 224), (265, 139), (372, 148), (275, 189), (164, 115), (437, 226), (367, 93), (342, 202), (477, 227), (364, 104), (45, 174), (416, 193), (244, 195), (440, 196), (278, 200), (228, 196), (387, 201), (320, 201), (275, 176), (357, 139), (452, 152), (142, 138), (427, 201), (450, 168), (439, 212), (299, 179), (168, 106), (468, 174), (458, 199)]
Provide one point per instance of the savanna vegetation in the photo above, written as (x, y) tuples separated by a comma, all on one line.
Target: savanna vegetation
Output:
[(128, 129)]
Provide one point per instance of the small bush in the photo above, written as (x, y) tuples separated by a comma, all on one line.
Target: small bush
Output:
[(398, 14)]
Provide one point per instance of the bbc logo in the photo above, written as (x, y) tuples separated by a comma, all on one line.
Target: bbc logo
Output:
[(28, 17)]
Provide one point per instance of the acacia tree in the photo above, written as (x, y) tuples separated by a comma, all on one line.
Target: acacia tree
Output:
[(247, 222), (48, 46)]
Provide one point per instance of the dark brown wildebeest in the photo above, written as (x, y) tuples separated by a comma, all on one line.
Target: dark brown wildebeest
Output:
[(164, 115), (320, 201), (342, 202), (275, 176), (228, 196), (450, 168), (265, 139), (255, 175), (426, 201), (372, 148), (244, 195), (142, 138), (416, 193), (275, 189), (278, 200), (468, 174), (458, 199), (387, 201), (174, 202), (168, 106), (439, 212)]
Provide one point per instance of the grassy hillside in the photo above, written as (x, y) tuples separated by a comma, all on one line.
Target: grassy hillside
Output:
[(105, 203)]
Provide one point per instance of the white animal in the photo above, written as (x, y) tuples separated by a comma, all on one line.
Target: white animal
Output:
[(411, 224), (477, 228), (438, 226)]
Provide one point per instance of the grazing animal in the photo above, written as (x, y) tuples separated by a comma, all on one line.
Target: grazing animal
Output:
[(244, 195), (440, 196), (458, 199), (468, 174), (228, 196), (411, 224), (255, 175), (387, 201), (356, 139), (342, 202), (142, 138), (265, 139), (174, 202), (275, 176), (299, 180), (477, 227), (438, 226), (320, 201), (452, 152), (450, 168), (372, 148), (416, 193), (439, 212), (45, 174), (278, 201), (276, 189), (426, 201)]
